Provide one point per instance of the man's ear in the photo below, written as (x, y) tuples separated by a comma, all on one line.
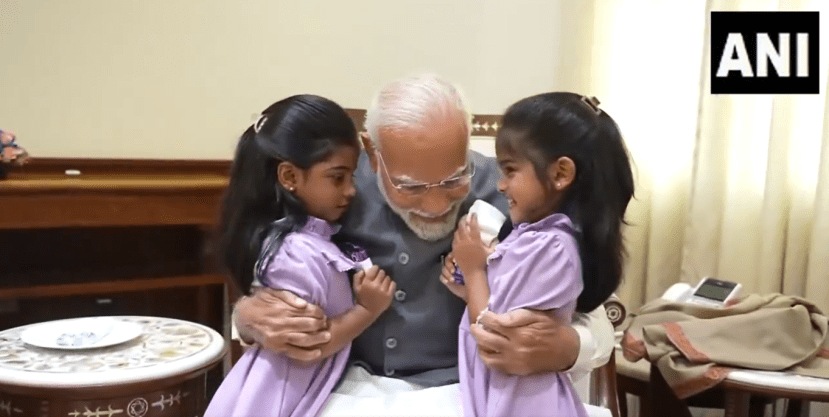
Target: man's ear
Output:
[(561, 173), (287, 174), (371, 150)]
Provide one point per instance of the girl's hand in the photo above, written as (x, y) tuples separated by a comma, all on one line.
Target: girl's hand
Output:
[(491, 248), (449, 281), (6, 137), (469, 251), (373, 290)]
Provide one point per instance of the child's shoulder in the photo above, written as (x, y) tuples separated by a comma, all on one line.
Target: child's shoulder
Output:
[(546, 238), (312, 249), (307, 245), (554, 229)]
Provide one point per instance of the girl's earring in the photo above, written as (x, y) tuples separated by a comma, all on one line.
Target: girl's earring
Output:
[(291, 189), (558, 186)]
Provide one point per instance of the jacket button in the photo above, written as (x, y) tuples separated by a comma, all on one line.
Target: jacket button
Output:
[(403, 258), (391, 343)]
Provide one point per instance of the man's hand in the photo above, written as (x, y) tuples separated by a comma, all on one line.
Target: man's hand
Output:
[(524, 342), (282, 322)]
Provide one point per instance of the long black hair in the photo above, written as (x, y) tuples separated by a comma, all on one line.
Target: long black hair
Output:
[(302, 130), (548, 126)]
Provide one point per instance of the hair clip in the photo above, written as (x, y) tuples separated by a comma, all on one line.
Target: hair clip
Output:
[(257, 125), (593, 102)]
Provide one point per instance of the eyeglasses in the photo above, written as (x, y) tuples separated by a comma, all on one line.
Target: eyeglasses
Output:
[(453, 183)]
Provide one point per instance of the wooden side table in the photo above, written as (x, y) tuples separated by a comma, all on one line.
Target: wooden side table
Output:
[(158, 374), (741, 386)]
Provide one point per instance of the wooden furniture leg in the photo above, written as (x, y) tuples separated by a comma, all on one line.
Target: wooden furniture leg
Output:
[(665, 401), (797, 408), (623, 404), (757, 406), (737, 403)]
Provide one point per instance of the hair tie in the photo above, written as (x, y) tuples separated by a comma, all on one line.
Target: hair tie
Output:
[(257, 125), (593, 102)]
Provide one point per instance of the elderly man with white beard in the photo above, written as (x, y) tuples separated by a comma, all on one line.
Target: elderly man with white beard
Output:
[(415, 177)]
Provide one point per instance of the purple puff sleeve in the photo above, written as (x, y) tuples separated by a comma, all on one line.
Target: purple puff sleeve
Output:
[(298, 267), (540, 270)]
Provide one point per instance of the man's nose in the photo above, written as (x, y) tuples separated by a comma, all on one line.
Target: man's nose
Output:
[(435, 202)]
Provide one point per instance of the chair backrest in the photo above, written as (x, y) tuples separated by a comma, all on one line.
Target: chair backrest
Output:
[(482, 124)]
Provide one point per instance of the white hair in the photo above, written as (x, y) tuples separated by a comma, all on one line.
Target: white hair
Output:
[(412, 102)]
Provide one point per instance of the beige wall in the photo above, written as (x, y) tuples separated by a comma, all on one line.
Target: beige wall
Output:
[(182, 78)]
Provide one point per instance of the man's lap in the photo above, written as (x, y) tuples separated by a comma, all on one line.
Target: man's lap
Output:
[(363, 394)]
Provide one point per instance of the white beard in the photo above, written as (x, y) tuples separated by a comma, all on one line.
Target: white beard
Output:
[(427, 231)]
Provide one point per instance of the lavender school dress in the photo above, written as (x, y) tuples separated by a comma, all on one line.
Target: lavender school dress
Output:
[(268, 384), (538, 267)]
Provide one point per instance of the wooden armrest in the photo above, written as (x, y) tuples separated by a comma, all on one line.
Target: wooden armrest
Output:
[(603, 390), (236, 351)]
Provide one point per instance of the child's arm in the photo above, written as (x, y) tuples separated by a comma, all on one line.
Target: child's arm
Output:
[(543, 272), (477, 294), (470, 253), (374, 291), (293, 269)]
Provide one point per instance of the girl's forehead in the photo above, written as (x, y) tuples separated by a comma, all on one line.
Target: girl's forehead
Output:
[(501, 154), (508, 140), (504, 154), (342, 154), (346, 151)]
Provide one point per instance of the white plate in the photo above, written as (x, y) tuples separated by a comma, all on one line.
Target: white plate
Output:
[(83, 333)]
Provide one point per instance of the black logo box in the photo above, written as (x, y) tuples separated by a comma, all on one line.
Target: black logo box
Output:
[(749, 24)]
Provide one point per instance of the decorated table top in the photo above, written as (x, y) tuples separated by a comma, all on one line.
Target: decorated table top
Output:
[(134, 349)]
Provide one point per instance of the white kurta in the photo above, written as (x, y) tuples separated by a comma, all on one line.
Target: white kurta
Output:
[(362, 394)]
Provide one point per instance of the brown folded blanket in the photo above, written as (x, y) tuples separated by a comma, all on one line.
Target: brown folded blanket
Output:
[(696, 347)]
